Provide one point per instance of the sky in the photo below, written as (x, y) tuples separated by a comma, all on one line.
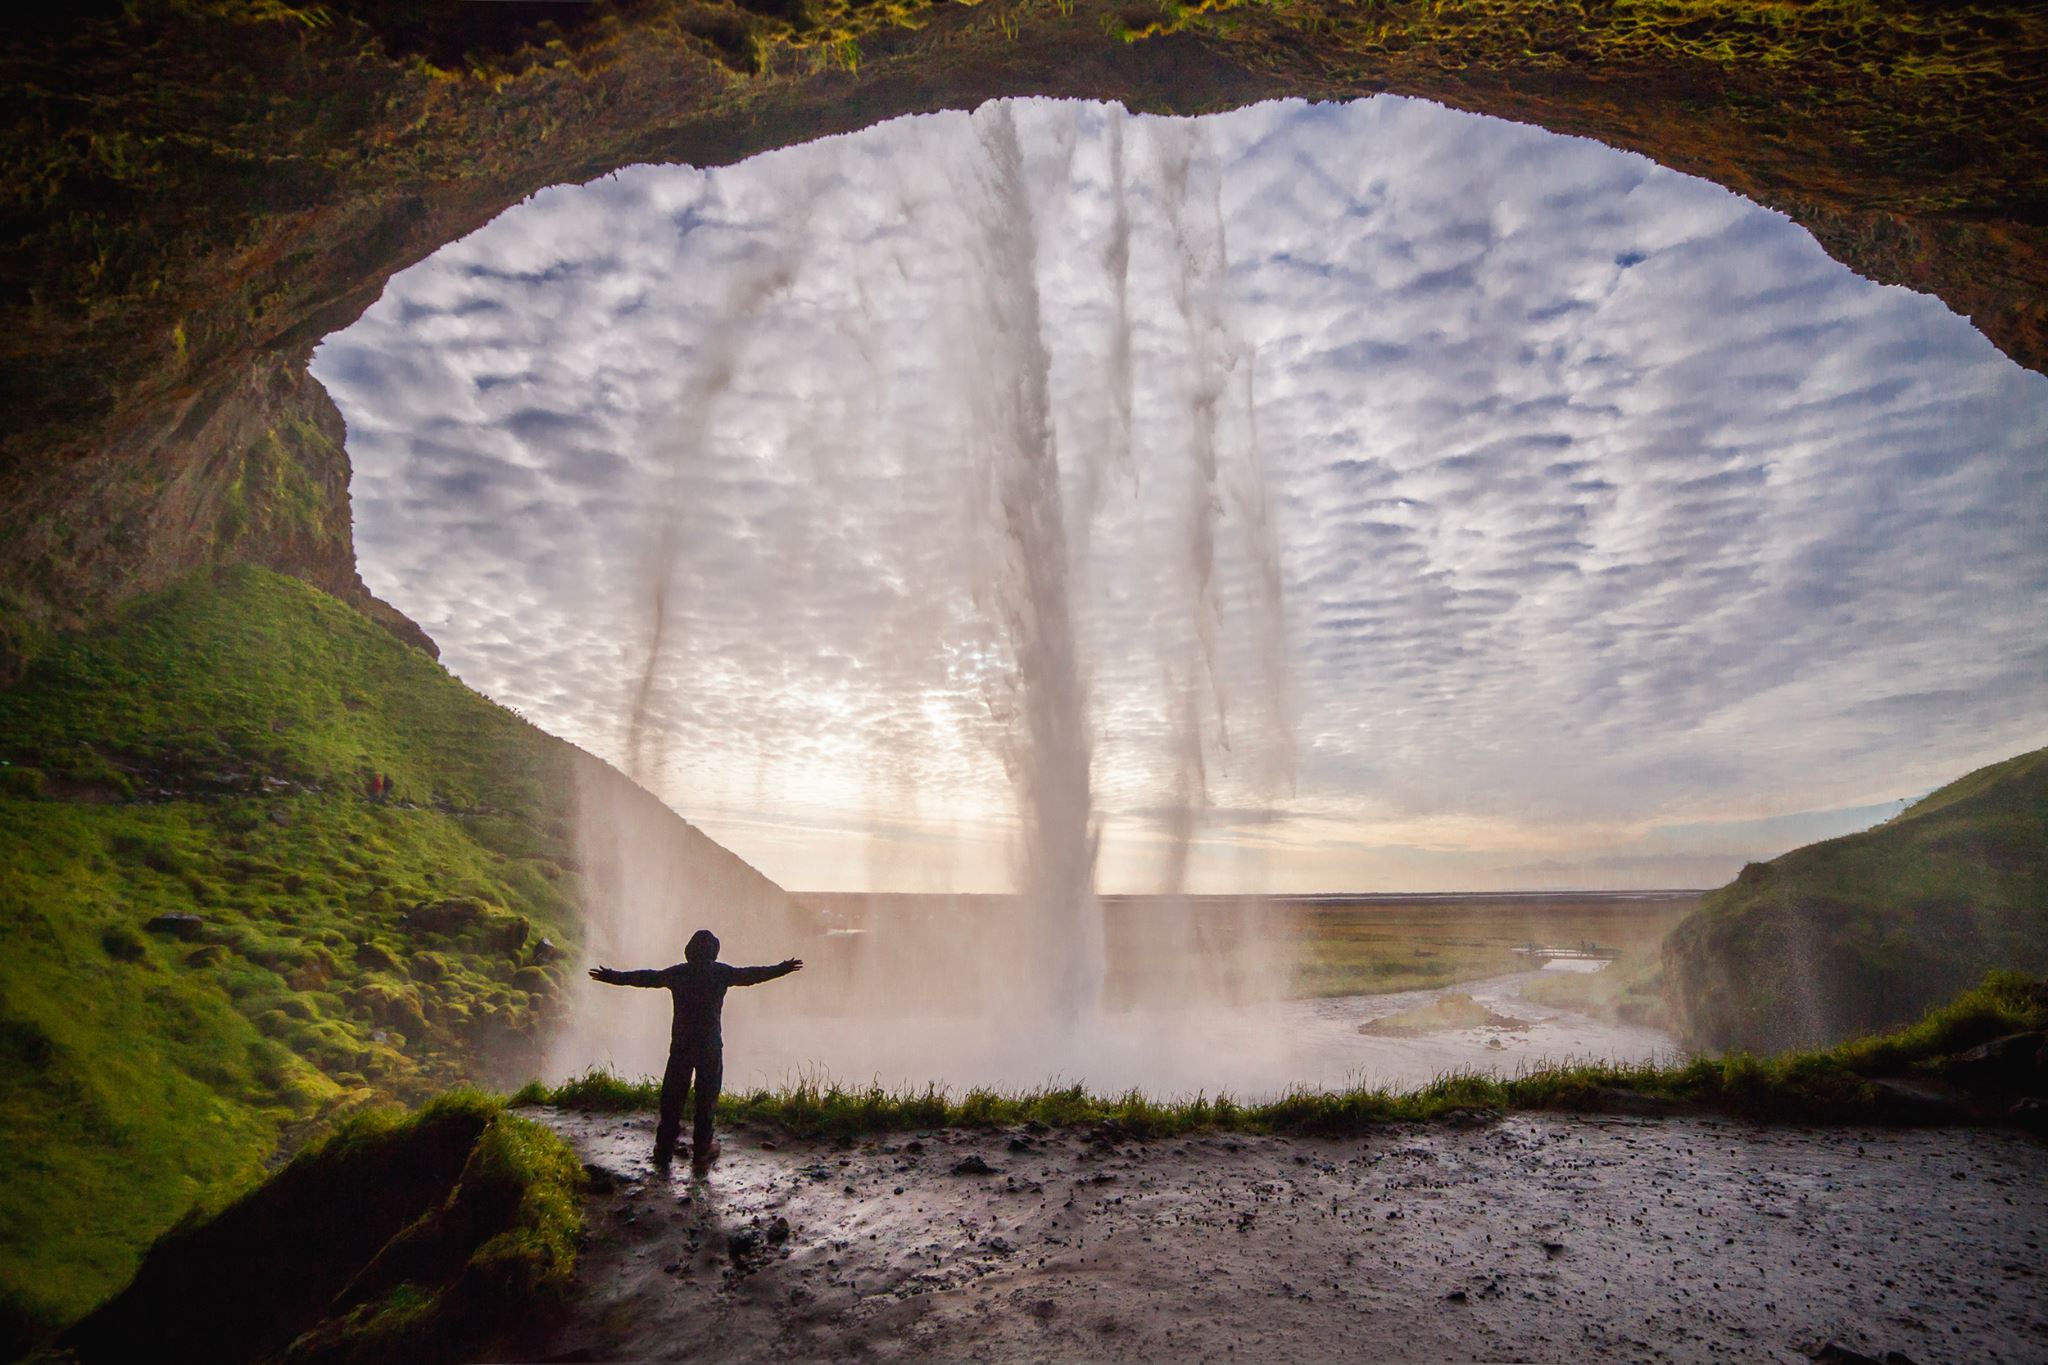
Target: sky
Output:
[(1441, 503)]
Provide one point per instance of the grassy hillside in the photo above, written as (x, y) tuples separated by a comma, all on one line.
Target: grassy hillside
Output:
[(260, 864), (1869, 931)]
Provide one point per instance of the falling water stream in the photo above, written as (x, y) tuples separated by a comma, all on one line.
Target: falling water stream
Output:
[(1012, 990)]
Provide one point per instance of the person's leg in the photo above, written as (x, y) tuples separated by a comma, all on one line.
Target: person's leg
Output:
[(710, 1078), (675, 1085)]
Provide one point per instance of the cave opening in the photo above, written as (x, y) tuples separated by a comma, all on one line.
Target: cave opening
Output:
[(1441, 496)]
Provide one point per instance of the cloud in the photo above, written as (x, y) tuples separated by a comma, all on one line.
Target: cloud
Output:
[(1603, 500)]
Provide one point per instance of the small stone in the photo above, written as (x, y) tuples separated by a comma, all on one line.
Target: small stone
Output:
[(778, 1231), (672, 1268), (973, 1165), (1455, 1296)]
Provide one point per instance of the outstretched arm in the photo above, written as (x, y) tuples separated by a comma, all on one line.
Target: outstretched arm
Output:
[(754, 976), (612, 976)]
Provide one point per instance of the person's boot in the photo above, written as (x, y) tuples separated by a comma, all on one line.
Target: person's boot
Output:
[(700, 1161)]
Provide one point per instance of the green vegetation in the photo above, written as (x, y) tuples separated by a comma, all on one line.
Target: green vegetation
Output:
[(1451, 1010), (350, 860), (1869, 931), (1381, 947), (424, 1237), (1628, 991), (1829, 1086)]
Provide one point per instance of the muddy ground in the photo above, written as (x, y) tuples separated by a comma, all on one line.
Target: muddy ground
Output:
[(1529, 1238)]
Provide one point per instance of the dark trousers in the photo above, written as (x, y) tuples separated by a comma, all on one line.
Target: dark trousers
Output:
[(706, 1062)]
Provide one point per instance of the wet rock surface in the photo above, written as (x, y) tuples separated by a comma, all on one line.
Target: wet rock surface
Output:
[(1533, 1238)]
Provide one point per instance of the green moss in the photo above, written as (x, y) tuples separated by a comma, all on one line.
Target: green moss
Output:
[(436, 1234), (1871, 931), (173, 1067)]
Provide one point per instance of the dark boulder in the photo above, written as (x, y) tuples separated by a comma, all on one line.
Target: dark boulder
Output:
[(447, 916), (506, 933), (2014, 1063), (190, 928)]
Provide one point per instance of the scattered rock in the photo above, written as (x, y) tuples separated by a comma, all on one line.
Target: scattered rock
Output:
[(1553, 1248), (778, 1231), (973, 1165), (280, 816), (185, 927), (1456, 1296), (743, 1243), (1018, 1144), (600, 1179), (544, 951)]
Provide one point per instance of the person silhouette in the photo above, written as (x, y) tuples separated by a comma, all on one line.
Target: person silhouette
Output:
[(696, 1045)]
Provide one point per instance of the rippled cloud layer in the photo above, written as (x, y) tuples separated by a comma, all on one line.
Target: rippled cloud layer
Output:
[(1618, 534)]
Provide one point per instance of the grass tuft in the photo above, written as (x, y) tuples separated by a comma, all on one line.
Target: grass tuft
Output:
[(1819, 1086)]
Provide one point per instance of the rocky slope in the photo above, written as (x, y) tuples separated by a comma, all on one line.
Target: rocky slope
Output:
[(1868, 932)]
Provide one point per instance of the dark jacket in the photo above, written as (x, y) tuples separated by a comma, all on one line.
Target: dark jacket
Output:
[(699, 990)]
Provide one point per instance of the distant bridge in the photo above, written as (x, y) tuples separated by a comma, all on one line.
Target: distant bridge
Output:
[(1585, 952)]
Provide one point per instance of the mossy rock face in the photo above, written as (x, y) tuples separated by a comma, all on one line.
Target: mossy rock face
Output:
[(436, 1237), (450, 915)]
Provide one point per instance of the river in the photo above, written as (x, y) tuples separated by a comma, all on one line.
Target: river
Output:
[(1250, 1052)]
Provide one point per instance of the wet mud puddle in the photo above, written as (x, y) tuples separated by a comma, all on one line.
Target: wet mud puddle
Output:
[(1530, 1238)]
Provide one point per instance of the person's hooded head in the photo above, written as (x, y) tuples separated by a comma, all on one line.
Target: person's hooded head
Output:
[(702, 947)]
